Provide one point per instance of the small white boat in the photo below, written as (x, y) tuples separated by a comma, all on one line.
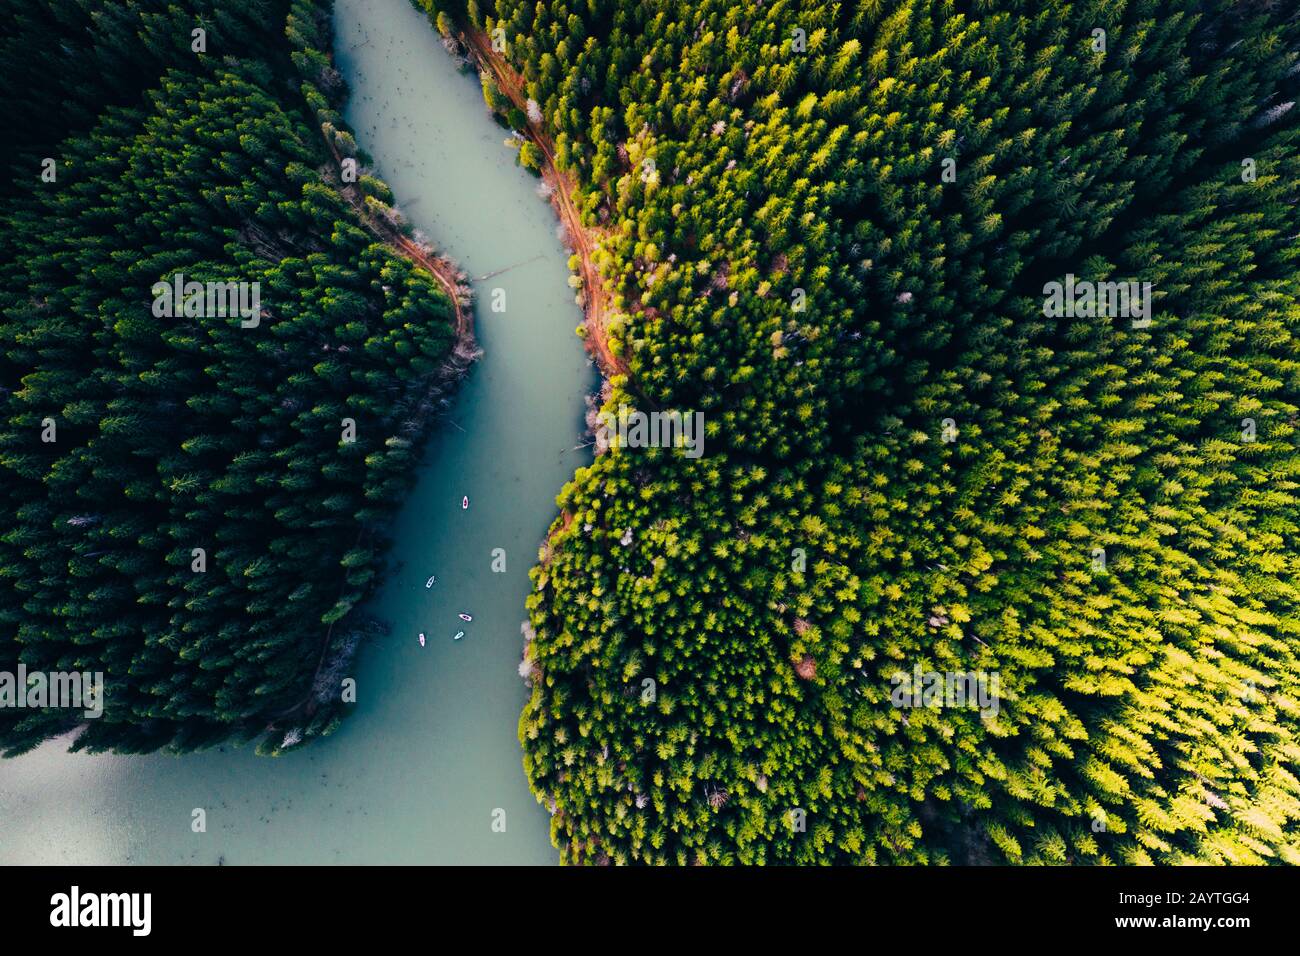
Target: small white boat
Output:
[(459, 635), (429, 583), (422, 638), (464, 503), (465, 617)]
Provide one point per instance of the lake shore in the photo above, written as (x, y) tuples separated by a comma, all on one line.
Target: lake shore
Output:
[(583, 240)]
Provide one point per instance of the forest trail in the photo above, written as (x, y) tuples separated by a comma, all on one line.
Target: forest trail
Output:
[(583, 240), (442, 270)]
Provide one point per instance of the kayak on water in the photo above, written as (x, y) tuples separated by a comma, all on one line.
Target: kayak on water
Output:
[(459, 635), (464, 503), (422, 638), (429, 583), (465, 617)]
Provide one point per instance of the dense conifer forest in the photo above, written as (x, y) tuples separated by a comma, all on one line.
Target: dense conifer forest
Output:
[(990, 308), (833, 228), (194, 503)]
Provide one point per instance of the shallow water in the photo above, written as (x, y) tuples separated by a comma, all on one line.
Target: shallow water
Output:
[(415, 775)]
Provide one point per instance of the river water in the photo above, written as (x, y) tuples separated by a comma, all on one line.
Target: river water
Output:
[(418, 773)]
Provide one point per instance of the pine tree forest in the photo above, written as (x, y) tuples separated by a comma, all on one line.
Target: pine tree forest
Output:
[(990, 310)]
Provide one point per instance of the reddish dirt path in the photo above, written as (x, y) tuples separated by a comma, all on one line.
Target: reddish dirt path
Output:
[(582, 239), (441, 269)]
